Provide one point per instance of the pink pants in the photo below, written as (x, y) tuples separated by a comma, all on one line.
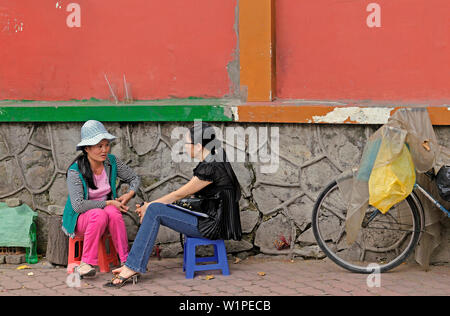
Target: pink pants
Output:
[(93, 224)]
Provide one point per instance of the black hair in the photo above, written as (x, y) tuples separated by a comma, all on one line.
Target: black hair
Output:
[(85, 168), (204, 134)]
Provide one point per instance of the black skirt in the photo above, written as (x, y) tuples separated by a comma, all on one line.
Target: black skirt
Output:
[(224, 220)]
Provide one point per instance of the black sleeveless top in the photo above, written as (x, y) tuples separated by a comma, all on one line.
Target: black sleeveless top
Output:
[(224, 221)]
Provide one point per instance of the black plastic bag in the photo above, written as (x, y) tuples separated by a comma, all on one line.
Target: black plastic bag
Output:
[(443, 182)]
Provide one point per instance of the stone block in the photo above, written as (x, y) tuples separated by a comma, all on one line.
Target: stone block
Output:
[(307, 238), (56, 210), (13, 202), (15, 259), (238, 245), (270, 231), (249, 219)]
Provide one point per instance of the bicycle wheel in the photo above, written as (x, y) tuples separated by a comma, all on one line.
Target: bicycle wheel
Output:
[(386, 241)]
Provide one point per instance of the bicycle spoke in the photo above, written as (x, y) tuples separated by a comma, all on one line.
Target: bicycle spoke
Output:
[(363, 248), (341, 234), (393, 247), (336, 212), (392, 229)]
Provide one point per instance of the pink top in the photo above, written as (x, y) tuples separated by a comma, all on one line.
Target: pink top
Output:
[(103, 188)]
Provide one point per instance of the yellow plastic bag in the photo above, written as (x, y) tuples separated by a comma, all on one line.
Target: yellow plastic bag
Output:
[(393, 175)]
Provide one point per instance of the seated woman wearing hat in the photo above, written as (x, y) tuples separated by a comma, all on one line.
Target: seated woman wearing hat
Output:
[(93, 206)]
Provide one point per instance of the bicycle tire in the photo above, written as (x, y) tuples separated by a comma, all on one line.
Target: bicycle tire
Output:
[(348, 265)]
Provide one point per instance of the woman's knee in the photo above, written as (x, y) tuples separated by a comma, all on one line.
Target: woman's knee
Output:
[(154, 210), (98, 216), (112, 212)]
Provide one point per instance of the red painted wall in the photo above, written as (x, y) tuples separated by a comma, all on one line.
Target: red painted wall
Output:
[(170, 48), (325, 50)]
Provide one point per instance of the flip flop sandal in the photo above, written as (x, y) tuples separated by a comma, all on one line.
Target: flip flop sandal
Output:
[(133, 278), (91, 273)]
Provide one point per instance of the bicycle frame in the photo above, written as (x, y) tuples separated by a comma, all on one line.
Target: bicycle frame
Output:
[(432, 199)]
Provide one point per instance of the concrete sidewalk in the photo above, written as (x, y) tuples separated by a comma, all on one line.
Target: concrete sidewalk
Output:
[(250, 277)]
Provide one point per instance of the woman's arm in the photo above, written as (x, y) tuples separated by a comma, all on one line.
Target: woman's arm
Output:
[(129, 176), (76, 193), (193, 186)]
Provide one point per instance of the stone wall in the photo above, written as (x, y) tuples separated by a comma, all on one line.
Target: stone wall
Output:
[(275, 206)]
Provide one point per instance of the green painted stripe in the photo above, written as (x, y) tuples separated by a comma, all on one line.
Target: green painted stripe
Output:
[(114, 113)]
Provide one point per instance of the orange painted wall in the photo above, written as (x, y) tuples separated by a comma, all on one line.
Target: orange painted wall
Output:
[(170, 48), (256, 39), (326, 51)]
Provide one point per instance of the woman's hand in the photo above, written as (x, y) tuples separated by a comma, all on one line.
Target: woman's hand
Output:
[(194, 185), (140, 210), (125, 198), (120, 206)]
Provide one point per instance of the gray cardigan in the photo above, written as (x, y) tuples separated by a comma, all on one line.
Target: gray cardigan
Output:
[(75, 186)]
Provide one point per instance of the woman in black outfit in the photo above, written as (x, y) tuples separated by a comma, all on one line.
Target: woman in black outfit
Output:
[(214, 180)]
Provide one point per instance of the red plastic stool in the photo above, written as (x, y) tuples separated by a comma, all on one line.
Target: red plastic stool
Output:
[(104, 258)]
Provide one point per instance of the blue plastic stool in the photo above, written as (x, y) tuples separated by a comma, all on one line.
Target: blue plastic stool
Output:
[(190, 259)]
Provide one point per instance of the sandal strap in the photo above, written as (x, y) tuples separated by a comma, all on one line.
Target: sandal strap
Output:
[(123, 280)]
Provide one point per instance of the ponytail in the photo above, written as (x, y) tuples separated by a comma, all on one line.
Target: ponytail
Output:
[(234, 179)]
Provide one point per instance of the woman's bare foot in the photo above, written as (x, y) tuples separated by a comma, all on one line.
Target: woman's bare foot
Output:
[(118, 270), (123, 272)]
